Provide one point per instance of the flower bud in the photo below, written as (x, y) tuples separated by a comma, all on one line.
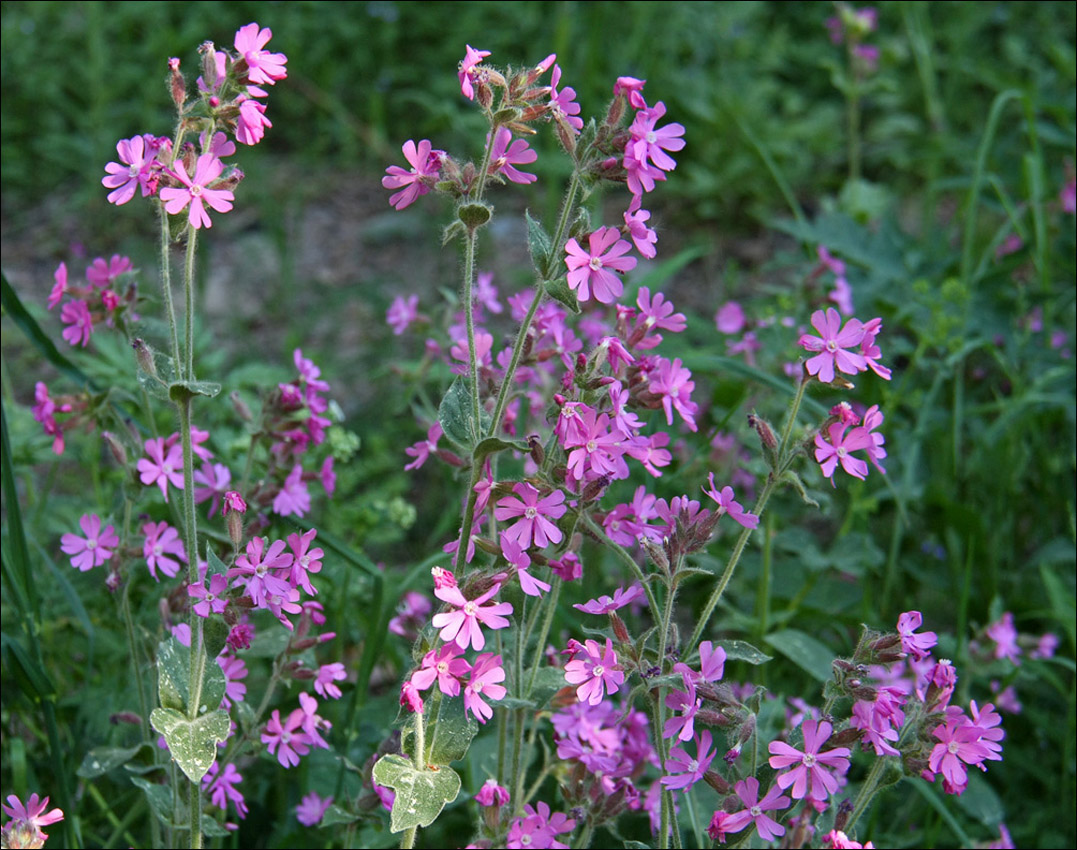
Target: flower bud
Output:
[(619, 628), (125, 717), (116, 447), (656, 553), (177, 84), (144, 356), (715, 781), (240, 407)]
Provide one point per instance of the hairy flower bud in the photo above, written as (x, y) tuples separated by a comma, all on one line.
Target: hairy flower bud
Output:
[(116, 447), (144, 356)]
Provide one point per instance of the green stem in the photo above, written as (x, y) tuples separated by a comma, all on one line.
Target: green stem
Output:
[(188, 286), (623, 554), (504, 393), (547, 621), (852, 114), (166, 286), (469, 313)]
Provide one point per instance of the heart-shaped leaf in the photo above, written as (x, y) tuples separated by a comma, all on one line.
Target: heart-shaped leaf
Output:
[(192, 743), (420, 794)]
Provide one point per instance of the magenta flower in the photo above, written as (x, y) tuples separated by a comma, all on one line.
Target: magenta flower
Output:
[(160, 468), (59, 287), (287, 740), (727, 504), (673, 384), (44, 411), (463, 624), (221, 787), (538, 828), (657, 312), (467, 73), (810, 776), (102, 273), (959, 745), (521, 560), (254, 568), (535, 516), (632, 88), (504, 157), (643, 236), (312, 809), (265, 68), (832, 342), (294, 497), (211, 599), (136, 169), (424, 172), (252, 122), (682, 726), (828, 453), (162, 540), (870, 350), (402, 312), (730, 318), (682, 770), (492, 794), (196, 191), (76, 315), (93, 549), (594, 450), (606, 604), (213, 480), (563, 104), (306, 560), (446, 666), (599, 670), (919, 646), (591, 272), (1004, 633), (486, 674), (651, 142), (30, 817), (754, 811), (324, 682), (422, 450)]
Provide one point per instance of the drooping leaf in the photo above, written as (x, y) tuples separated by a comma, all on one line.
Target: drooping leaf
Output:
[(456, 414), (192, 743), (540, 245), (420, 794), (451, 732), (741, 650), (100, 760), (803, 650)]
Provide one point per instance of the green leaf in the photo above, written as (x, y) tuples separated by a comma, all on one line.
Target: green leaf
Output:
[(451, 733), (456, 414), (173, 673), (100, 760), (216, 565), (334, 815), (492, 445), (805, 651), (160, 799), (214, 636), (740, 650), (192, 743), (540, 245), (558, 290), (474, 215), (420, 794), (214, 683), (179, 391), (548, 681)]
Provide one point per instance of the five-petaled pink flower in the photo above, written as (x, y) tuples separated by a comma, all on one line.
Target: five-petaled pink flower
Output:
[(424, 172), (591, 271), (917, 645), (464, 625), (265, 67), (597, 671), (832, 342), (809, 775), (134, 170), (683, 771), (486, 676), (207, 169), (287, 740), (93, 549), (535, 516), (755, 810), (31, 817), (727, 504), (162, 468), (467, 73), (162, 541), (504, 156), (76, 315)]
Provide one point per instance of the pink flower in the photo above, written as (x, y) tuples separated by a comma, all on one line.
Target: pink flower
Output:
[(402, 312), (160, 468), (463, 624), (1004, 634), (207, 169), (422, 450), (43, 411), (76, 315), (486, 674), (467, 73), (632, 88), (650, 142), (161, 541), (31, 817), (534, 514), (810, 776), (211, 599), (214, 480), (446, 666), (93, 549), (959, 745), (136, 169), (563, 104), (503, 157), (598, 671), (730, 318), (327, 675), (755, 809), (589, 271), (254, 568), (287, 740), (728, 505), (538, 828), (312, 808), (828, 453), (643, 236), (265, 68), (294, 497), (59, 287), (221, 787), (306, 560), (424, 171), (102, 273), (673, 384), (492, 794), (919, 646), (252, 122), (409, 697), (682, 770), (606, 604), (831, 343)]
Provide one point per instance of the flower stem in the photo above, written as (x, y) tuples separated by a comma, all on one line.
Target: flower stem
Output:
[(188, 286), (166, 286)]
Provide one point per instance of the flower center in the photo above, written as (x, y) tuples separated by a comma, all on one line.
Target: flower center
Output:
[(596, 263), (91, 544), (831, 346), (469, 608), (953, 747), (809, 760), (530, 513), (651, 137), (196, 191), (755, 811), (598, 670)]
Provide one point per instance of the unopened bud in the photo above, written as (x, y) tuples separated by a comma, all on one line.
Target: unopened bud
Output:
[(116, 447), (593, 489), (176, 83), (240, 407), (619, 628), (538, 453), (656, 553), (715, 781), (763, 429), (846, 737), (297, 669), (845, 808), (144, 356), (125, 717)]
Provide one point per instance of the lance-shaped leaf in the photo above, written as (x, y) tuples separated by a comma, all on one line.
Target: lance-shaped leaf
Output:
[(451, 733), (420, 794), (192, 743), (457, 415)]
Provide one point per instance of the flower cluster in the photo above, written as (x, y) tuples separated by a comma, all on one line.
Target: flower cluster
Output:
[(230, 97), (108, 296), (24, 828)]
